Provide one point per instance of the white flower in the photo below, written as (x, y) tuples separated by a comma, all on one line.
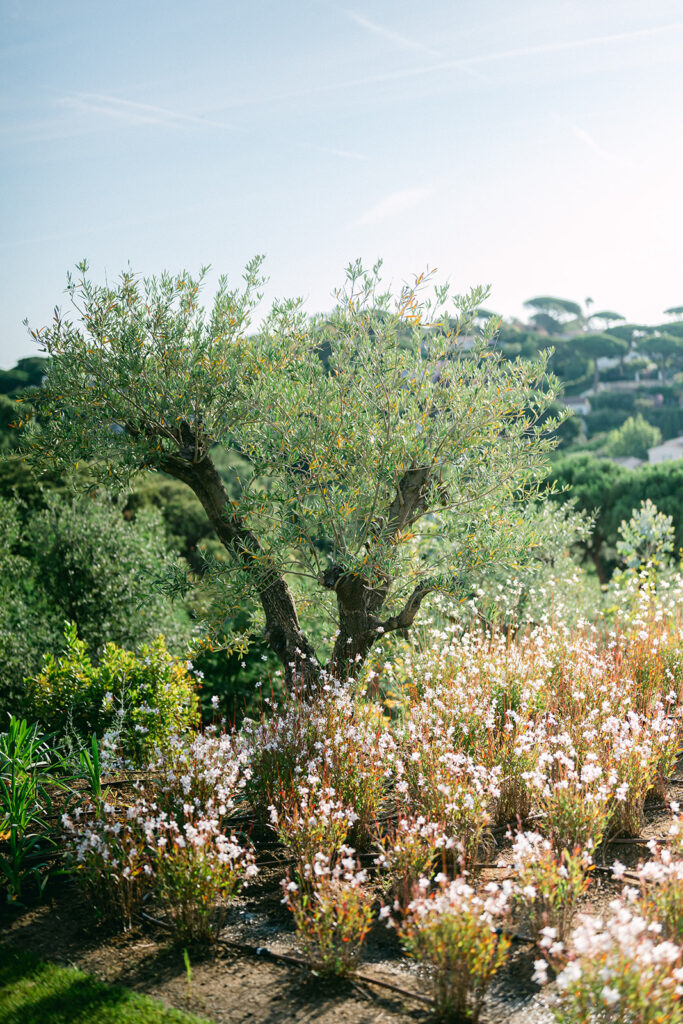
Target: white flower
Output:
[(540, 975), (569, 975), (618, 870), (610, 996)]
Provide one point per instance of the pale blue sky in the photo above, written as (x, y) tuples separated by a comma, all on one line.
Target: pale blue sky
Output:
[(537, 146)]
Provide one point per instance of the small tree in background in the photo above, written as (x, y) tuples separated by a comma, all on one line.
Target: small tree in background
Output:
[(375, 461), (633, 438), (647, 539), (606, 318), (553, 314)]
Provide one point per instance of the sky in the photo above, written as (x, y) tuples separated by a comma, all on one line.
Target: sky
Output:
[(533, 146)]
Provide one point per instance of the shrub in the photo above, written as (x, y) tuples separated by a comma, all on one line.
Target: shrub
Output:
[(136, 701), (197, 868), (452, 789), (121, 851), (454, 932), (338, 742), (110, 858), (633, 437), (312, 821), (661, 883), (204, 770), (408, 851), (78, 560), (549, 884), (332, 911), (574, 812), (620, 970), (29, 782)]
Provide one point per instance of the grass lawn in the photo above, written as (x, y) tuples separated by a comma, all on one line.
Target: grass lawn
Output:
[(34, 992)]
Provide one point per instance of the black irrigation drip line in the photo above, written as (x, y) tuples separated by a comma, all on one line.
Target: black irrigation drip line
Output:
[(264, 953), (516, 937), (638, 841), (610, 872)]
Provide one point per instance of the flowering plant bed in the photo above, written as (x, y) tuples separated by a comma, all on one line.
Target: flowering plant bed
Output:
[(442, 854)]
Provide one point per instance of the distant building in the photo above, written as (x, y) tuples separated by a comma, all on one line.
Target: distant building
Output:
[(627, 461), (579, 405), (611, 362), (667, 451)]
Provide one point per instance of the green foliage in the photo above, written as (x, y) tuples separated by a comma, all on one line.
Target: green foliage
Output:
[(633, 438), (91, 767), (559, 306), (238, 680), (25, 627), (27, 786), (596, 346), (16, 386), (32, 992), (547, 323), (78, 559), (184, 519), (534, 592), (569, 430), (626, 331), (607, 316), (27, 374), (668, 419), (135, 701), (8, 415), (610, 493), (667, 347), (609, 410), (588, 482), (553, 314), (98, 570), (569, 362), (647, 539)]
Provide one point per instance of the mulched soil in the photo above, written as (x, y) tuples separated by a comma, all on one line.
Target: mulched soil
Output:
[(237, 987)]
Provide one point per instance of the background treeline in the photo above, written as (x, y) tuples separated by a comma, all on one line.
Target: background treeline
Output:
[(625, 370)]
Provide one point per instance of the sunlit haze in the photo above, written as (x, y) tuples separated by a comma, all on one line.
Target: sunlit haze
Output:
[(533, 146)]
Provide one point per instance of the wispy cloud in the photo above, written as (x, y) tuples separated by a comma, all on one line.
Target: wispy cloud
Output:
[(464, 64), (134, 113), (584, 137), (393, 204), (403, 42), (574, 44), (587, 139)]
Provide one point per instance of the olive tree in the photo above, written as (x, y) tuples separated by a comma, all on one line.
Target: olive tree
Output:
[(376, 455)]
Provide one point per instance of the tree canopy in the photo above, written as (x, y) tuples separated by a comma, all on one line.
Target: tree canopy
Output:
[(633, 438), (375, 460)]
